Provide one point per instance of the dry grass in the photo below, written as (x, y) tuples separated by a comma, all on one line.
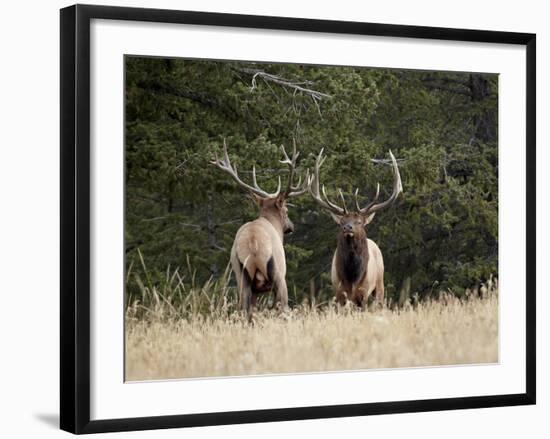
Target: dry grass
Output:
[(161, 344)]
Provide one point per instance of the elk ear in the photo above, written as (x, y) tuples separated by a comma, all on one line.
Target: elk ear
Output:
[(279, 201), (368, 219), (257, 199), (336, 218)]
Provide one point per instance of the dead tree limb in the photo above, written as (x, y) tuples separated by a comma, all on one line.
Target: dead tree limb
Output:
[(295, 86), (386, 161)]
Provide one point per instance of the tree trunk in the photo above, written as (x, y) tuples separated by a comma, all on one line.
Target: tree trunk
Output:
[(170, 206), (404, 292), (211, 231), (312, 292), (485, 122)]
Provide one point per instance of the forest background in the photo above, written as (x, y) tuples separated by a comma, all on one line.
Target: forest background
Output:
[(182, 213)]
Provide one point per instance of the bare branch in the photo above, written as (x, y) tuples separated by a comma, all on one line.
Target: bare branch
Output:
[(181, 165), (195, 226), (158, 218), (296, 86)]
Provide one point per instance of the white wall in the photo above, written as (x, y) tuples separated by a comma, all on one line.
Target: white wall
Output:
[(29, 236)]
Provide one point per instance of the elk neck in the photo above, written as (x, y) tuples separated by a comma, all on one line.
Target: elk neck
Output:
[(275, 219), (353, 256)]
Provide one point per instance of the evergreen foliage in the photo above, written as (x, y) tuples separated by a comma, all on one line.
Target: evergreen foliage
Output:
[(182, 211)]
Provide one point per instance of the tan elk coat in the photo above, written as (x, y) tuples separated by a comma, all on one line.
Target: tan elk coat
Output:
[(357, 265), (372, 278), (258, 258)]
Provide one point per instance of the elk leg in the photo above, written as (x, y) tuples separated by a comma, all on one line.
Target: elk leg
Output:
[(272, 298), (341, 299), (245, 291), (363, 301), (379, 292), (253, 301), (282, 292)]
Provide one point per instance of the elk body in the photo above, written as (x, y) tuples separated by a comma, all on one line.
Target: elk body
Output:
[(357, 265), (258, 256)]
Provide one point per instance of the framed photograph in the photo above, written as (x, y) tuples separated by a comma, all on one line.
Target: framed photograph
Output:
[(275, 218)]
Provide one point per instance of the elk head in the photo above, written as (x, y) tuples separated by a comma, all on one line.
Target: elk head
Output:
[(352, 223), (273, 206)]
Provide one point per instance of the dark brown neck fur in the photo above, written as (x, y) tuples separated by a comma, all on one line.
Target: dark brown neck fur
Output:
[(352, 260)]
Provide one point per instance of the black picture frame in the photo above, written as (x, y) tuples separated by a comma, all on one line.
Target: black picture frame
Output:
[(75, 218)]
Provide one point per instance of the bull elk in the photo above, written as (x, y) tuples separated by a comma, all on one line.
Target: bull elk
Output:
[(357, 265), (258, 256)]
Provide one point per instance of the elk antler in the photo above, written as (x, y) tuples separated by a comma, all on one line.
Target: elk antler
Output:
[(367, 210), (314, 189), (225, 165), (397, 189), (300, 188)]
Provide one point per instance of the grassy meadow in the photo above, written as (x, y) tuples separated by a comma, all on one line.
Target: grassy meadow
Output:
[(205, 336)]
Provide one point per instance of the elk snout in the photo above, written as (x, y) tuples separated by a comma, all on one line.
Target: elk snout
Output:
[(347, 230), (289, 227)]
